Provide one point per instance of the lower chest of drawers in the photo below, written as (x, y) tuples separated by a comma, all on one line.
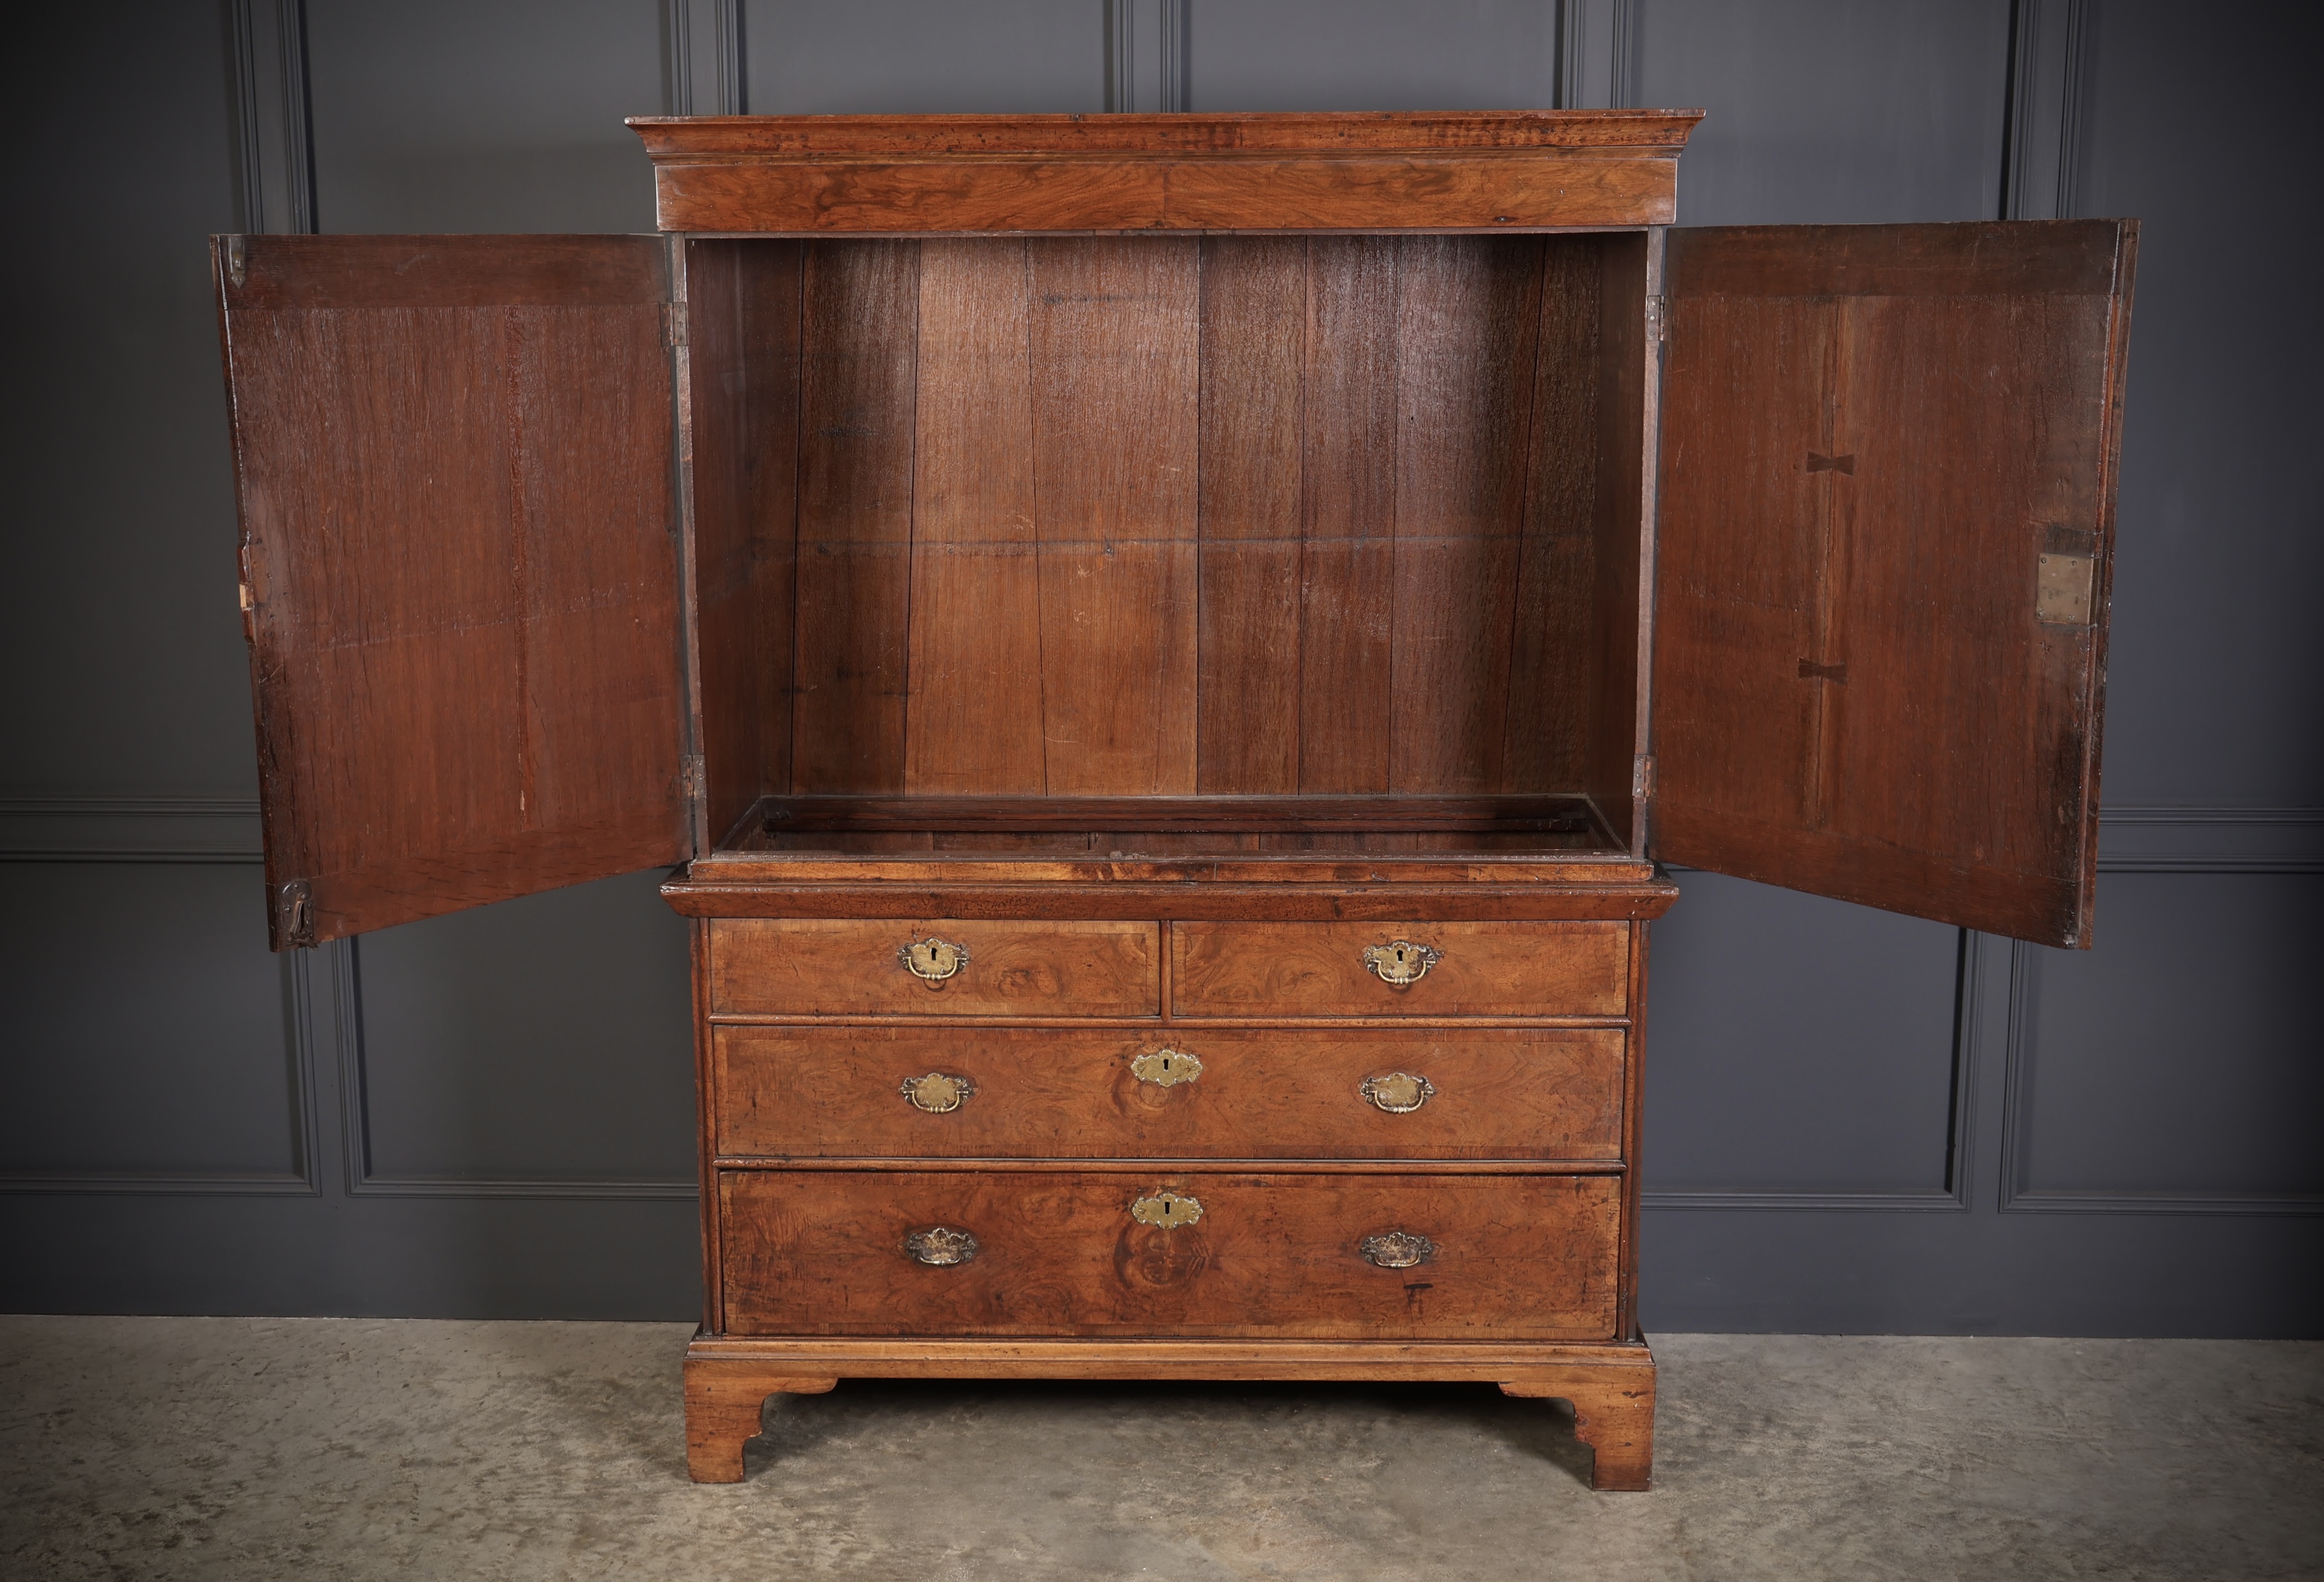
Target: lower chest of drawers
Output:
[(968, 1128)]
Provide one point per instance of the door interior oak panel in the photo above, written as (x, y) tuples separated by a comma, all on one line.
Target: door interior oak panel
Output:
[(1886, 519), (453, 456)]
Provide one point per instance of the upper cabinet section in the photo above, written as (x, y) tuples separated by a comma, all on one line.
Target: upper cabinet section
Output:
[(903, 175)]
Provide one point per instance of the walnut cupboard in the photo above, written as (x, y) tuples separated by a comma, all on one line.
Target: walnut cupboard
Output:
[(1167, 650)]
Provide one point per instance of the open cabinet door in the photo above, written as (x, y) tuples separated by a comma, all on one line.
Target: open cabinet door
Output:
[(459, 566), (1887, 522)]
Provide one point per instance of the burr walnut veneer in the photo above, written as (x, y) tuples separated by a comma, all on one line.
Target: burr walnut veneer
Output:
[(1167, 650)]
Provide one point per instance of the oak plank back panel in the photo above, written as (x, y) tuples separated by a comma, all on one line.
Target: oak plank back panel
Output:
[(858, 389), (453, 457), (1235, 515), (1881, 623)]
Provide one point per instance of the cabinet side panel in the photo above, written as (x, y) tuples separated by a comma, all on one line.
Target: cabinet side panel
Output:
[(742, 359), (1467, 315), (454, 463), (1551, 659), (1115, 326), (1626, 364), (859, 371)]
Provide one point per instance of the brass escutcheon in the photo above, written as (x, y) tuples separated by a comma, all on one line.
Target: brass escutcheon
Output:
[(1400, 962), (1166, 1210), (932, 960), (1396, 1249), (1166, 1068), (936, 1093), (1399, 1093), (941, 1244)]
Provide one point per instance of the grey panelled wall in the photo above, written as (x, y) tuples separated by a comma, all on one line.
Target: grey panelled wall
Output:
[(1856, 1121)]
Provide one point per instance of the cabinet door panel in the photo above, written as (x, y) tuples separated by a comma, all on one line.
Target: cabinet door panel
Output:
[(459, 574), (1887, 525)]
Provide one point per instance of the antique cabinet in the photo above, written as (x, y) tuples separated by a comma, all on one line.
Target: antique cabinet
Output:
[(1166, 650)]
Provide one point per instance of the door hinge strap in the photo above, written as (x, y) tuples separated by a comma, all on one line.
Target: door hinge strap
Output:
[(673, 323), (294, 915), (690, 778), (1642, 775), (1659, 318)]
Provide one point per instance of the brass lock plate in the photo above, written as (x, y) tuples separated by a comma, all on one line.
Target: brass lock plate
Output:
[(1401, 962), (1166, 1068), (941, 1245), (932, 960), (1396, 1249), (937, 1092), (1399, 1093), (1166, 1210)]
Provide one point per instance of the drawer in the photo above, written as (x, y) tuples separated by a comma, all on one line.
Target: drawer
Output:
[(1465, 969), (1188, 1093), (815, 967), (1065, 1252)]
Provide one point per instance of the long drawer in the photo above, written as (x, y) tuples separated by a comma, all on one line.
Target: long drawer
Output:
[(1419, 1256), (804, 966), (1156, 1093), (1451, 968)]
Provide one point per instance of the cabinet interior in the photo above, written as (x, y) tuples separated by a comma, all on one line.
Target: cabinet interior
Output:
[(1162, 545)]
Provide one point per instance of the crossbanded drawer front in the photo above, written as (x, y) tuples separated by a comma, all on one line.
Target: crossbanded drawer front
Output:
[(1407, 969), (1416, 1256), (1186, 1093), (933, 967)]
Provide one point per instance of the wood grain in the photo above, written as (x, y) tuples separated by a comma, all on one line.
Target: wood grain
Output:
[(973, 722), (1282, 1092), (1254, 308), (1519, 1257), (1318, 970), (802, 967), (1408, 171), (729, 1377), (1113, 329), (1467, 321), (741, 423), (1856, 693), (453, 466), (857, 405)]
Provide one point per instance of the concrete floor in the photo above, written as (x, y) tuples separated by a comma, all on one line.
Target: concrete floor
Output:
[(325, 1448)]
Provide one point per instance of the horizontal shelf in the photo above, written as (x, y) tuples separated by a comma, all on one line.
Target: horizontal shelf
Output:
[(1109, 828)]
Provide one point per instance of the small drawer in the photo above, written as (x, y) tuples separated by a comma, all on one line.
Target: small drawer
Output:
[(795, 967), (1186, 1093), (1447, 969), (1194, 1253)]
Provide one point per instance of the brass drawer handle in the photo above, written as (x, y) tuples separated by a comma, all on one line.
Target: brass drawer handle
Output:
[(936, 1093), (1400, 962), (1396, 1249), (1399, 1093), (1166, 1210), (1166, 1068), (941, 1244), (932, 960)]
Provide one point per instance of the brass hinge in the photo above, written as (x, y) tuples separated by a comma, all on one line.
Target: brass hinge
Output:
[(673, 323), (294, 914), (1642, 775), (237, 260), (1659, 318), (690, 777)]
